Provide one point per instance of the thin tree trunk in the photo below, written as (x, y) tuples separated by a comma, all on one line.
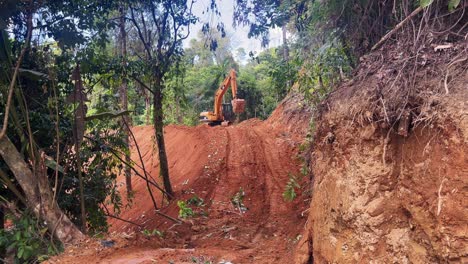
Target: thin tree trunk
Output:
[(2, 226), (159, 130), (39, 195), (285, 45), (79, 97), (180, 119), (124, 100), (286, 54), (148, 109), (81, 186)]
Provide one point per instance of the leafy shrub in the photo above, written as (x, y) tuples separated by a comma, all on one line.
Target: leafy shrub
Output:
[(151, 233), (289, 193), (196, 201), (28, 239), (184, 211)]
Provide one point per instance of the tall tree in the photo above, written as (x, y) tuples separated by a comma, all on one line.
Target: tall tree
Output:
[(171, 20), (32, 179), (124, 97), (22, 156), (78, 98)]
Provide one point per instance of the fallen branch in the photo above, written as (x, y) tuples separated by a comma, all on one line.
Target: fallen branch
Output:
[(118, 154), (142, 164), (168, 217), (107, 115), (108, 214), (145, 178), (398, 26)]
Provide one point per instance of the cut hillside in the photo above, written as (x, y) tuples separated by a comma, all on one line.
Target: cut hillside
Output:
[(389, 161), (236, 175)]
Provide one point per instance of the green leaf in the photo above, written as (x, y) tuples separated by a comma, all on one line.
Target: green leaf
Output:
[(289, 193), (43, 230), (28, 252), (20, 252), (17, 236), (53, 165), (452, 4), (425, 3)]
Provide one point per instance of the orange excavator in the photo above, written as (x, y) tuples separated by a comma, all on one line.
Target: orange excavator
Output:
[(222, 114)]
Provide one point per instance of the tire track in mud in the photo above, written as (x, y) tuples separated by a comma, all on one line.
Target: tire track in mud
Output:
[(255, 163), (251, 156), (244, 169), (278, 172)]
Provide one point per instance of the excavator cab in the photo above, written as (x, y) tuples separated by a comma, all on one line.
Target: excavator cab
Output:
[(224, 113), (228, 114)]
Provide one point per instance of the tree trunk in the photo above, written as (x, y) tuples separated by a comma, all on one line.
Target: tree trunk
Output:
[(285, 45), (148, 109), (286, 54), (84, 228), (159, 130), (2, 226), (180, 118), (124, 100), (79, 128), (39, 195)]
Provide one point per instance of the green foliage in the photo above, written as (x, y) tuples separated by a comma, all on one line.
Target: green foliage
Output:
[(289, 193), (99, 151), (324, 68), (152, 233), (29, 240), (452, 4), (184, 211), (196, 201), (260, 16), (425, 3)]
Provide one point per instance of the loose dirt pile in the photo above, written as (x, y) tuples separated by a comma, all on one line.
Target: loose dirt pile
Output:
[(380, 196), (234, 175)]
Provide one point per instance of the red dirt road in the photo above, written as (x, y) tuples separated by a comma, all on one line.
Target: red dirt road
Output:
[(212, 163)]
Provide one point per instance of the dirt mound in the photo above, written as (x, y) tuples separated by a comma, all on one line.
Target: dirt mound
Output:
[(292, 115), (379, 195), (232, 177)]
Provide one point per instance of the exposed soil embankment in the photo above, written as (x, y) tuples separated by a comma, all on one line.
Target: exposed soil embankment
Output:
[(250, 161), (380, 196)]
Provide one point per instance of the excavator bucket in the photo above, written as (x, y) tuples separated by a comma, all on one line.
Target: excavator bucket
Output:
[(238, 106)]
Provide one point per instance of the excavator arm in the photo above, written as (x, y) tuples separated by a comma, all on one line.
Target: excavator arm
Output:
[(238, 105), (229, 81)]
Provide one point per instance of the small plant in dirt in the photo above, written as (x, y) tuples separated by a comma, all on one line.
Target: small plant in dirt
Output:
[(238, 200), (289, 193), (304, 170), (196, 201), (184, 211), (152, 233), (202, 260)]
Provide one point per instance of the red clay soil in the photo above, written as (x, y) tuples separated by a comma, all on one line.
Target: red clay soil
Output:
[(212, 163)]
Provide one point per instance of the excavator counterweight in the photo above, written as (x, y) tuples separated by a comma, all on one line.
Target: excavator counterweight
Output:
[(222, 112)]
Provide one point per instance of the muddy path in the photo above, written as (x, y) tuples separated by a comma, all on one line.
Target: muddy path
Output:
[(239, 173)]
